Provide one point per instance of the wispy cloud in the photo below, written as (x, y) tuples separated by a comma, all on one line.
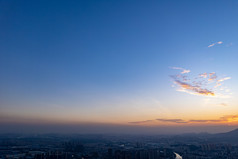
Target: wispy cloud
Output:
[(223, 119), (212, 76), (172, 120), (213, 44), (204, 84), (204, 121), (229, 45), (141, 122), (180, 68), (223, 104), (204, 75), (219, 82), (223, 79), (197, 90)]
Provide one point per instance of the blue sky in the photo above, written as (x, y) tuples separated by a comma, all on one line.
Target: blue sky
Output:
[(94, 58)]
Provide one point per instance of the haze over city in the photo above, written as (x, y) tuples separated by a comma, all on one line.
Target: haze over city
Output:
[(124, 67)]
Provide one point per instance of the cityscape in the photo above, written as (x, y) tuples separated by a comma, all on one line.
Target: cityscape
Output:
[(118, 79), (99, 146)]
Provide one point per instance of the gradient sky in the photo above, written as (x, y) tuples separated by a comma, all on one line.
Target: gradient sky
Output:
[(131, 63)]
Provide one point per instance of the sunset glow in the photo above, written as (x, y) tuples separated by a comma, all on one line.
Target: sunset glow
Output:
[(119, 63)]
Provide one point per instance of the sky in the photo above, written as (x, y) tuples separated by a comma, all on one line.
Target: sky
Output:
[(126, 66)]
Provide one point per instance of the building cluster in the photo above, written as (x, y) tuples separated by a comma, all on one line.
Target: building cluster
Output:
[(72, 151), (101, 147), (208, 151)]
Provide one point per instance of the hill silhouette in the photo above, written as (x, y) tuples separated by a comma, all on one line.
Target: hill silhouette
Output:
[(228, 137)]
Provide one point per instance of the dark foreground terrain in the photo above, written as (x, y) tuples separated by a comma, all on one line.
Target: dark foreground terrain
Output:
[(55, 146)]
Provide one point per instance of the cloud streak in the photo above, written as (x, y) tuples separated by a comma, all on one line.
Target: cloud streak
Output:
[(223, 79), (180, 68), (172, 120), (141, 122), (194, 89), (223, 119), (213, 44)]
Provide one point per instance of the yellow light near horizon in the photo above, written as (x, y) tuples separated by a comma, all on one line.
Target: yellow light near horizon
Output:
[(233, 119)]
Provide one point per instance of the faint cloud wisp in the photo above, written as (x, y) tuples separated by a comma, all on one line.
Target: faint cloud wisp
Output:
[(213, 44), (183, 70), (223, 119)]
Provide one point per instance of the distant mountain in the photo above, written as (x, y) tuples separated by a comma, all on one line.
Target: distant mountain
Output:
[(228, 137), (233, 133)]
